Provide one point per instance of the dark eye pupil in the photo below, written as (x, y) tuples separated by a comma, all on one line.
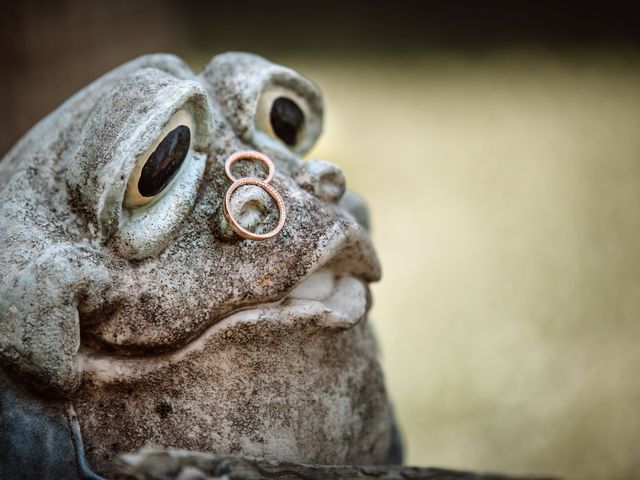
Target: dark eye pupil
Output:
[(164, 162), (286, 120)]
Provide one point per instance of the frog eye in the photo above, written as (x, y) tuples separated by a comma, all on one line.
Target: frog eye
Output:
[(157, 168), (287, 120), (283, 115)]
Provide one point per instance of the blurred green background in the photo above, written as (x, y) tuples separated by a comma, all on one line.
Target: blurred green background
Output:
[(498, 145)]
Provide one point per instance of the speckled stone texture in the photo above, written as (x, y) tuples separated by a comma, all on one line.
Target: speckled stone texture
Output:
[(155, 322)]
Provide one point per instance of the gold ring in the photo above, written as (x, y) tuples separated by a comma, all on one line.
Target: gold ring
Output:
[(250, 155), (239, 229)]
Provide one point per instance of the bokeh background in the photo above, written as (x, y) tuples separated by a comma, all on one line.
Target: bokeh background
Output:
[(498, 145)]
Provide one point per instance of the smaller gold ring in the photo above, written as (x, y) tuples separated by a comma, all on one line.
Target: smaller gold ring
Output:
[(239, 229), (250, 155)]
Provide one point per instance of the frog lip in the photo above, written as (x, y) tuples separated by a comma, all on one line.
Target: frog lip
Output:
[(331, 300)]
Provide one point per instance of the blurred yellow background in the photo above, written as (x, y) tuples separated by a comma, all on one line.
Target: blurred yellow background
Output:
[(498, 147), (505, 201)]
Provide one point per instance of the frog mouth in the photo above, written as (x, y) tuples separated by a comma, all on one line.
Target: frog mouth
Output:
[(325, 298), (331, 300)]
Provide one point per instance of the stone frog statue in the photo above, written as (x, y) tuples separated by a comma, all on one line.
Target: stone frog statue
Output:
[(134, 311)]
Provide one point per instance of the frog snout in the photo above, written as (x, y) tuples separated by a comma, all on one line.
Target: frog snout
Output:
[(253, 209), (322, 179)]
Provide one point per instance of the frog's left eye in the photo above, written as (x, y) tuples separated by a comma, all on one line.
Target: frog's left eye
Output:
[(284, 116), (157, 168), (287, 120)]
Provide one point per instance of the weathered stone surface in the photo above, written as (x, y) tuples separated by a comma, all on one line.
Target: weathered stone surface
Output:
[(153, 321), (152, 464)]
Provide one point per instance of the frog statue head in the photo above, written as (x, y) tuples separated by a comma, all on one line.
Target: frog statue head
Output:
[(132, 313)]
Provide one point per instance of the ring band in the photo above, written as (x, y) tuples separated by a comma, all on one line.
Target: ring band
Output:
[(239, 229), (249, 155)]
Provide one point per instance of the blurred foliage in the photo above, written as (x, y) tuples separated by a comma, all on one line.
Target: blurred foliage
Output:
[(499, 149)]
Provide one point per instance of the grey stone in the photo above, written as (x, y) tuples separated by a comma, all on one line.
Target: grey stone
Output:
[(148, 316)]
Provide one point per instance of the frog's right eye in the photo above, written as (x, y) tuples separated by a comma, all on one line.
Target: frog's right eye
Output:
[(157, 168), (141, 159), (163, 183)]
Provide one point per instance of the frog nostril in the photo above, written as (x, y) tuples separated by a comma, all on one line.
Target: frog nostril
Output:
[(253, 209), (323, 179)]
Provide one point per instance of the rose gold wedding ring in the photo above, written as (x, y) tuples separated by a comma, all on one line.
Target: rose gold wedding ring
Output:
[(250, 155), (263, 184)]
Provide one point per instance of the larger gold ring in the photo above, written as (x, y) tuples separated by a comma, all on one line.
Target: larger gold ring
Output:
[(239, 229), (250, 155)]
